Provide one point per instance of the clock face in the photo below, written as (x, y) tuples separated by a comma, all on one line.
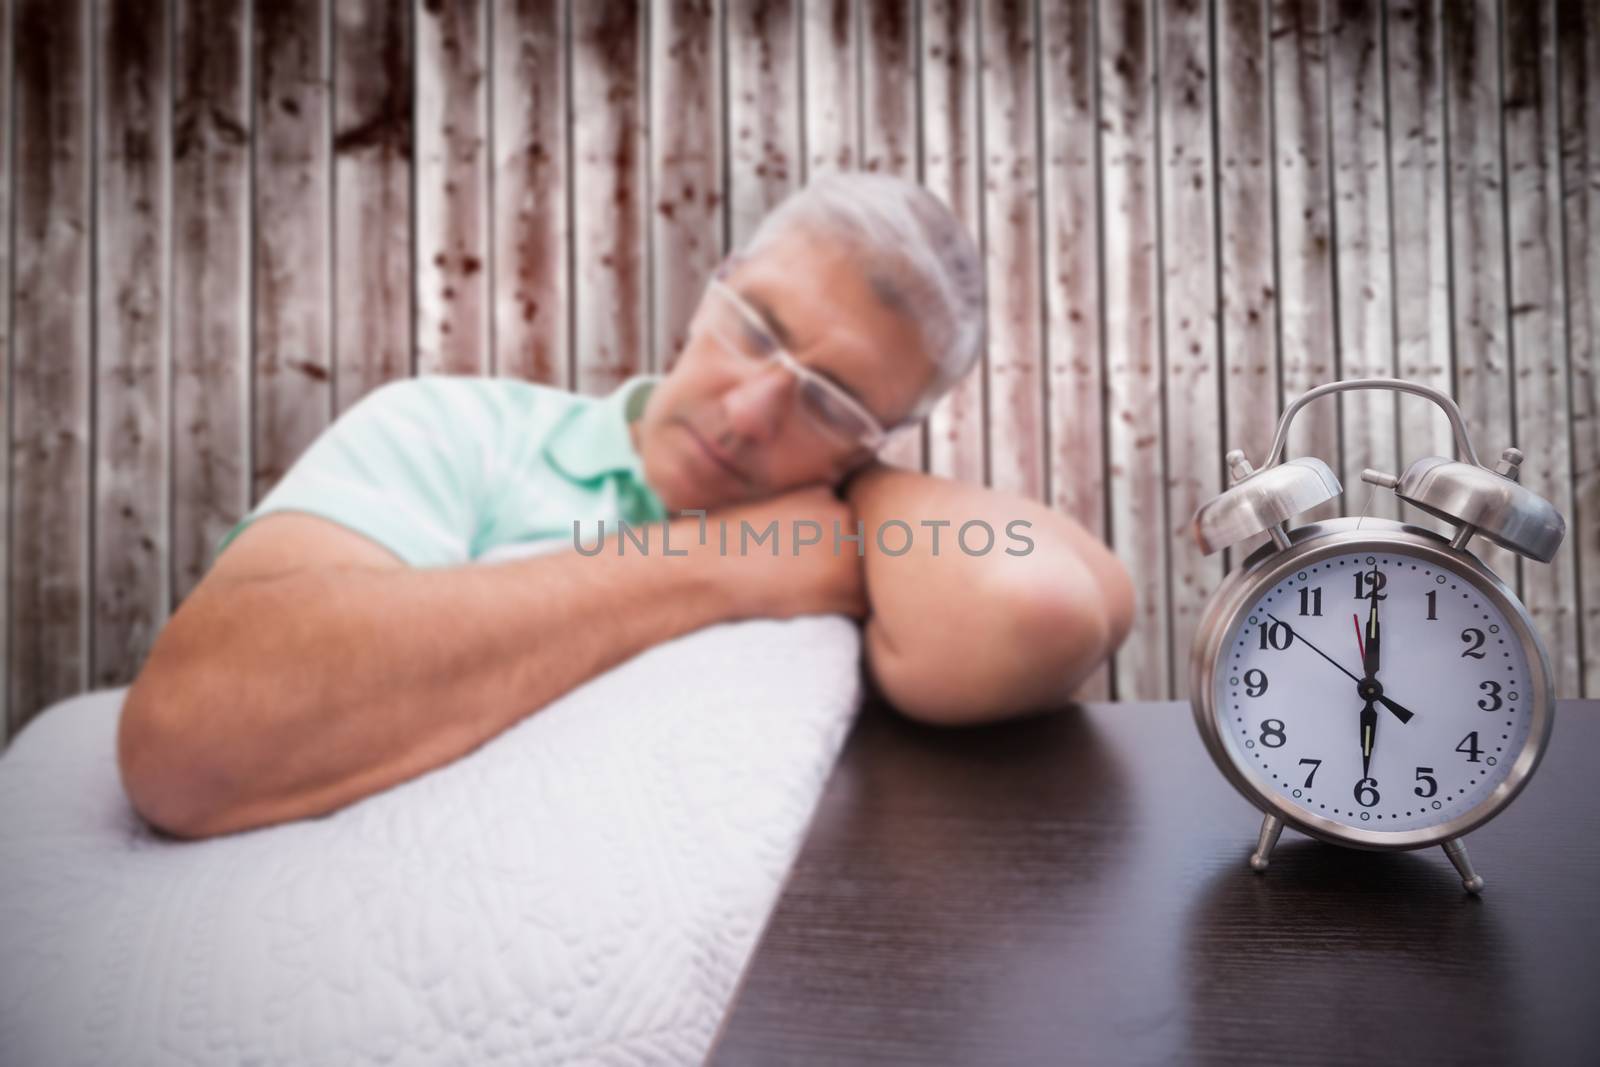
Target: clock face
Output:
[(1451, 692)]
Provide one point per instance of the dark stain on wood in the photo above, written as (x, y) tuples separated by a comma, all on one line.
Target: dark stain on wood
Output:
[(373, 120), (839, 23), (531, 198), (1017, 25), (1130, 62), (387, 127), (535, 179), (460, 344), (1461, 45), (1524, 71), (614, 40), (957, 21)]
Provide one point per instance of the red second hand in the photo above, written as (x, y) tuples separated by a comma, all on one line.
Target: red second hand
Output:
[(1361, 645)]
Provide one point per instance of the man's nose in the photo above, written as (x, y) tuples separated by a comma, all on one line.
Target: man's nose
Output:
[(756, 407)]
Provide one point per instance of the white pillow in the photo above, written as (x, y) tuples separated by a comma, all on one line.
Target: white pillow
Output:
[(586, 887)]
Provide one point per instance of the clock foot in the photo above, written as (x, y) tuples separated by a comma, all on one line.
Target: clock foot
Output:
[(1271, 827), (1471, 881)]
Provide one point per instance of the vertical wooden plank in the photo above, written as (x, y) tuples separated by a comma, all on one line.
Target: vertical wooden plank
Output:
[(1189, 308), (951, 161), (134, 150), (1478, 253), (1017, 459), (1420, 226), (1251, 391), (372, 123), (529, 104), (889, 142), (7, 173), (609, 152), (292, 367), (765, 161), (1307, 319), (452, 188), (210, 294), (1075, 386), (1139, 522), (1538, 340), (50, 370), (685, 167), (1361, 213), (1072, 261), (1578, 64), (832, 126), (889, 88)]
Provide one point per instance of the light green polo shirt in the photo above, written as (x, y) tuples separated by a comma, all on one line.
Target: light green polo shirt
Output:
[(441, 469)]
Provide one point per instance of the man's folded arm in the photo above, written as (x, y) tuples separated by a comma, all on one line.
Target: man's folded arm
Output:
[(301, 687), (967, 635)]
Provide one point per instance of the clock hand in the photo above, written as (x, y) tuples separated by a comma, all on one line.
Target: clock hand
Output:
[(1400, 712), (1301, 637), (1370, 650), (1369, 730)]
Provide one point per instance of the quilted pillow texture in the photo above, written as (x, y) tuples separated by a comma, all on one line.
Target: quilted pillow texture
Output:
[(584, 888)]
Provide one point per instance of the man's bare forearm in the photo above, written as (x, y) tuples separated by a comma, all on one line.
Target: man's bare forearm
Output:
[(968, 634), (293, 696)]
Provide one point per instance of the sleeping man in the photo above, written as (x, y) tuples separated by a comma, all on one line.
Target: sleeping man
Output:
[(341, 644)]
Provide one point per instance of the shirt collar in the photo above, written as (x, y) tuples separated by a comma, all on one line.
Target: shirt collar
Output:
[(593, 439)]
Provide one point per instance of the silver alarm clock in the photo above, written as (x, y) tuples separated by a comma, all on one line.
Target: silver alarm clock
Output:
[(1368, 682)]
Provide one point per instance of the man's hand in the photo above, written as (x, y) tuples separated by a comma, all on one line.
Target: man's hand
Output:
[(810, 579)]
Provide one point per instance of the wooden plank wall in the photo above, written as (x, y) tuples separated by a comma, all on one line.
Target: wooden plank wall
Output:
[(227, 220)]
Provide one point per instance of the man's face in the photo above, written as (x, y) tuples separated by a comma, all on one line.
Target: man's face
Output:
[(714, 402)]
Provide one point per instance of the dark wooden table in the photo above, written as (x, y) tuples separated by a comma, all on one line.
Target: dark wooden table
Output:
[(1074, 888)]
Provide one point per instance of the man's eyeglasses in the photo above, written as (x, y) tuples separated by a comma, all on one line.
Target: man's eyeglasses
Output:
[(744, 333)]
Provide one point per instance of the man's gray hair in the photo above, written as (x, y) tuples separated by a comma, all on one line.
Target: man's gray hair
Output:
[(915, 253)]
